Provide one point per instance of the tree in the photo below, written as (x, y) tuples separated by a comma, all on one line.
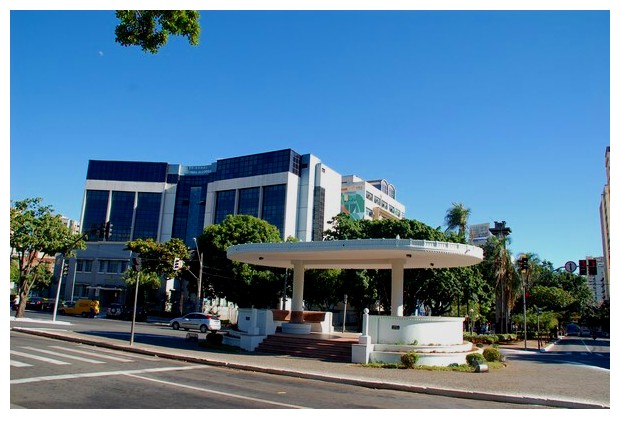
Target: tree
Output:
[(159, 257), (499, 271), (457, 217), (241, 283), (150, 29), (35, 234)]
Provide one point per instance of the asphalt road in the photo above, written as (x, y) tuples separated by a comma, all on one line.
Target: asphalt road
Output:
[(53, 374)]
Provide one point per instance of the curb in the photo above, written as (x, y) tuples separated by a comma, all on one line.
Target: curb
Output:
[(453, 393)]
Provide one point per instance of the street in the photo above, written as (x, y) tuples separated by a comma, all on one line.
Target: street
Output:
[(53, 374)]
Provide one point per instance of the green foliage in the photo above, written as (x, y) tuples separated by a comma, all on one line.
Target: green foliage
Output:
[(437, 288), (159, 257), (409, 359), (491, 354), (36, 233), (473, 358), (457, 217), (243, 284), (150, 29)]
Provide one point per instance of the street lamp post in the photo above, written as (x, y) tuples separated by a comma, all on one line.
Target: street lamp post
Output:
[(199, 292), (344, 314)]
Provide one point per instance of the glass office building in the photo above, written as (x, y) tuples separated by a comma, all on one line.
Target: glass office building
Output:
[(296, 193)]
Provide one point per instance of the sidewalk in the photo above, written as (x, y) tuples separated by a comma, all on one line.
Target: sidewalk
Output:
[(523, 380)]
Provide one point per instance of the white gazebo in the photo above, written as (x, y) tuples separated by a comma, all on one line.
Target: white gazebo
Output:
[(441, 337)]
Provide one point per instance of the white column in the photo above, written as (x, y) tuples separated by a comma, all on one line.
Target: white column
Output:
[(398, 277), (297, 305)]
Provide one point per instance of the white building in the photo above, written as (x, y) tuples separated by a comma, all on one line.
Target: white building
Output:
[(374, 199)]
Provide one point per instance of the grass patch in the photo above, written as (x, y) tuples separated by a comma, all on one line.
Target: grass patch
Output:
[(453, 368)]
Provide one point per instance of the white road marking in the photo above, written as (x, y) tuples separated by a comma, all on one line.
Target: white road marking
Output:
[(19, 364), (41, 358), (219, 393), (101, 374), (99, 355), (129, 354), (63, 355)]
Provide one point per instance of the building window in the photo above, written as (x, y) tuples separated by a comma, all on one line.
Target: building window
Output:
[(369, 196), (224, 204), (84, 266), (121, 215), (248, 201), (95, 212), (103, 266), (147, 215), (274, 205)]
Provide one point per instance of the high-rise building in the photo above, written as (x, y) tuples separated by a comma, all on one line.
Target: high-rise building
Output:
[(479, 233), (605, 221), (596, 282), (298, 194)]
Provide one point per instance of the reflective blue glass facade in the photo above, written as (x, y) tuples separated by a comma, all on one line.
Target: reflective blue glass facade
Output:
[(127, 171), (147, 215)]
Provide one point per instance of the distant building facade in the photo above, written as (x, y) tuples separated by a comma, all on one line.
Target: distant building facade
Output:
[(374, 199), (596, 282), (479, 233)]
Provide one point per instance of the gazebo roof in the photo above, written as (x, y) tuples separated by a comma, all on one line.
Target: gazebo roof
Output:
[(358, 254)]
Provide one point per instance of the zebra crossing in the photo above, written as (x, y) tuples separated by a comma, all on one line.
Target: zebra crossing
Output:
[(27, 356)]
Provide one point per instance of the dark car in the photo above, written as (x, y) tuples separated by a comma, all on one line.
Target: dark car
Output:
[(115, 311), (123, 312), (34, 303)]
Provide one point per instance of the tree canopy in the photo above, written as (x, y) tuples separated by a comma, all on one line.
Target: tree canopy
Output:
[(150, 29), (36, 233), (244, 284)]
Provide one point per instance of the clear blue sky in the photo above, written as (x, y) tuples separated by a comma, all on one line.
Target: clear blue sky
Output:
[(507, 112)]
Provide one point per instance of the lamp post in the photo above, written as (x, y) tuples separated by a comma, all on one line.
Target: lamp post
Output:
[(344, 314), (137, 266), (198, 293)]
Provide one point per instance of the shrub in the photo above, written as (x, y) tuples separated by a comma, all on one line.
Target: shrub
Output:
[(214, 338), (472, 358), (409, 359), (491, 354)]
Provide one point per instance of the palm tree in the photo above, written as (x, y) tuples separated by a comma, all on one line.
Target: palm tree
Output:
[(505, 278), (457, 217)]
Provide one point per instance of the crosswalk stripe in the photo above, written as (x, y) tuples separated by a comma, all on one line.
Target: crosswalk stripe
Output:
[(99, 355), (41, 358), (132, 355), (19, 364), (63, 355)]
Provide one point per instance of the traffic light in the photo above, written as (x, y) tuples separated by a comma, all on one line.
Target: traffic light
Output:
[(101, 231), (178, 264), (592, 267), (108, 230), (583, 268), (65, 269), (136, 263), (523, 263)]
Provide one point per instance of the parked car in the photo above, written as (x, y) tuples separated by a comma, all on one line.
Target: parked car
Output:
[(572, 329), (115, 311), (585, 332), (34, 303), (124, 312), (81, 307), (199, 321)]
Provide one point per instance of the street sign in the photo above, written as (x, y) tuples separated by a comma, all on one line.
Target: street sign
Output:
[(570, 266)]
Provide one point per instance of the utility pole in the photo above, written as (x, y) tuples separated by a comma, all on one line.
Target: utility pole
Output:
[(137, 265), (199, 292)]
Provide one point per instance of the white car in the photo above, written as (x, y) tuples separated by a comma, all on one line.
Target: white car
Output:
[(199, 321)]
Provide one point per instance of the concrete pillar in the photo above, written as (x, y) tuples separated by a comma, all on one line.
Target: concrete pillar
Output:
[(297, 305), (398, 278)]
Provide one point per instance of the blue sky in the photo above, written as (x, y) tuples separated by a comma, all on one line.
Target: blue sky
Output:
[(507, 112)]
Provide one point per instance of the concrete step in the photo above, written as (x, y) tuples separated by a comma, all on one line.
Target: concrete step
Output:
[(299, 346)]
